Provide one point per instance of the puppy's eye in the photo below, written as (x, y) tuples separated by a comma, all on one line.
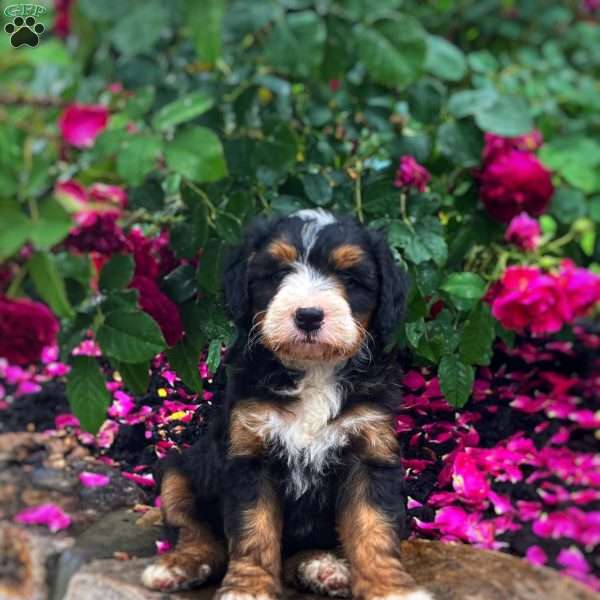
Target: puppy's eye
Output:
[(353, 282)]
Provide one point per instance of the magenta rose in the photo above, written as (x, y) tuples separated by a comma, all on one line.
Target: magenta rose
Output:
[(159, 307), (411, 174), (26, 328), (97, 232), (496, 145), (80, 124), (591, 6), (580, 287), (109, 194), (515, 182), (523, 232), (62, 18), (528, 298)]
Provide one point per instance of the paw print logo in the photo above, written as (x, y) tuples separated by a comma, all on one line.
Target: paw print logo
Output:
[(24, 32)]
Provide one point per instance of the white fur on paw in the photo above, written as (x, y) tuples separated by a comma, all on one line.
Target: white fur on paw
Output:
[(414, 595), (169, 579), (326, 575), (235, 595)]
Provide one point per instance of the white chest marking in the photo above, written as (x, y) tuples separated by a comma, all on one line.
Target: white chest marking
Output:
[(308, 434)]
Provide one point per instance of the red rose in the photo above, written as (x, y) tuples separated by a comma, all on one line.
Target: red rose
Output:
[(581, 288), (411, 174), (62, 19), (26, 328), (496, 145), (524, 232), (97, 232), (159, 307), (80, 124), (515, 182)]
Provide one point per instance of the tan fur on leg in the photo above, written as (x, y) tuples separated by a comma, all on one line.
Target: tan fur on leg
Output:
[(198, 555), (254, 569), (372, 547)]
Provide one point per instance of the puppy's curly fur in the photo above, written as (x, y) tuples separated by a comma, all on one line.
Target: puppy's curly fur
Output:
[(301, 453)]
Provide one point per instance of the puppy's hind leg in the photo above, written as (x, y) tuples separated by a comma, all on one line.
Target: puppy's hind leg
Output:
[(198, 555)]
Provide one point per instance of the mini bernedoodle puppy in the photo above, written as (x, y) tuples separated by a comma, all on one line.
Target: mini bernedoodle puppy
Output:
[(298, 475)]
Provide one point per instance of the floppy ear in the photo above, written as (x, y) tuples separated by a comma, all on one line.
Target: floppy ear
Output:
[(235, 272), (393, 290)]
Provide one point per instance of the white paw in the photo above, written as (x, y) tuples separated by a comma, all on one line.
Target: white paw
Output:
[(327, 575), (414, 595), (235, 595), (169, 579)]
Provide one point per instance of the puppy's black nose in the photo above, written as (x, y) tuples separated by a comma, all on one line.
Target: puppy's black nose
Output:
[(309, 319)]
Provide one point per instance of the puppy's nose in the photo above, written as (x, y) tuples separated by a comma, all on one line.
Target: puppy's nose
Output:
[(309, 319)]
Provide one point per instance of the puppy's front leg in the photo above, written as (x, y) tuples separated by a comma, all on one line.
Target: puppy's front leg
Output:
[(370, 518), (253, 521)]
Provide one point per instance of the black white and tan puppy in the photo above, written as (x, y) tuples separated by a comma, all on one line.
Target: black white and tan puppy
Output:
[(298, 475)]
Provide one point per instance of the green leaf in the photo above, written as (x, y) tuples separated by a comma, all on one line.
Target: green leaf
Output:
[(184, 358), (213, 360), (568, 204), (140, 29), (117, 272), (197, 153), (506, 116), (594, 209), (444, 59), (470, 102), (137, 157), (180, 284), (467, 286), (193, 318), (297, 43), (414, 332), (87, 394), (392, 49), (228, 228), (190, 235), (421, 242), (317, 189), (209, 269), (74, 266), (52, 226), (477, 336), (14, 228), (181, 110), (120, 300), (135, 376), (456, 380), (130, 336), (461, 142), (205, 25), (49, 284)]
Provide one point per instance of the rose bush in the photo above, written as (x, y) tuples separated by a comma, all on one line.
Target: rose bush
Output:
[(138, 139)]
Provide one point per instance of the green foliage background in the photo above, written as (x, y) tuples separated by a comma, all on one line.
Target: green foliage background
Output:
[(269, 106)]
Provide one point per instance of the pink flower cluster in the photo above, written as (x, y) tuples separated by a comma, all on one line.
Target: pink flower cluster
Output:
[(411, 174), (529, 298), (523, 232), (512, 179)]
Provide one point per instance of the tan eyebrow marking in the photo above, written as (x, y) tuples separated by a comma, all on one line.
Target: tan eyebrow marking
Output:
[(346, 256), (282, 251)]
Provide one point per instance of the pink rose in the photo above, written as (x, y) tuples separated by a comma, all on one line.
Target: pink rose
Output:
[(496, 145), (513, 183), (161, 308), (109, 194), (80, 124), (26, 328), (523, 232), (411, 174), (526, 297), (72, 195), (62, 19), (591, 6)]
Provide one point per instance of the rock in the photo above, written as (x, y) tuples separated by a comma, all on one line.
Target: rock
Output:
[(26, 556), (448, 571)]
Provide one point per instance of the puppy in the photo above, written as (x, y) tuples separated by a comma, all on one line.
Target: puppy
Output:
[(299, 462)]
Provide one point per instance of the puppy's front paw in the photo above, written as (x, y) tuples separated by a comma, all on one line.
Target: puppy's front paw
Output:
[(325, 574), (229, 593), (419, 594), (165, 577)]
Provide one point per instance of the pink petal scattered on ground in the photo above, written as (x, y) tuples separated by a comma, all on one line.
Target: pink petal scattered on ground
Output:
[(66, 420), (143, 480), (89, 479), (50, 515), (162, 546), (536, 556)]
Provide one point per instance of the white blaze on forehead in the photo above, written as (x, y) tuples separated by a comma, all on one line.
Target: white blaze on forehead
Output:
[(314, 221)]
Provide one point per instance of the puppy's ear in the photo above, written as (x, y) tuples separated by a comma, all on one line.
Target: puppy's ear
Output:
[(235, 272), (393, 282)]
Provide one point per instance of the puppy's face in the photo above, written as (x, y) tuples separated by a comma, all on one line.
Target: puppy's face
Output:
[(313, 287)]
